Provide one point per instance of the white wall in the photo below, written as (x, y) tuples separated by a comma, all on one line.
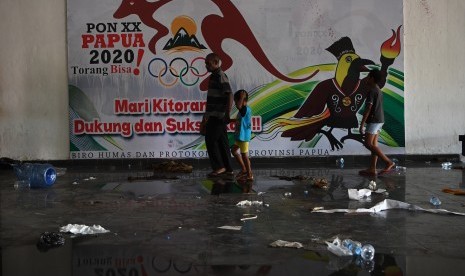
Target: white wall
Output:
[(33, 78), (434, 63)]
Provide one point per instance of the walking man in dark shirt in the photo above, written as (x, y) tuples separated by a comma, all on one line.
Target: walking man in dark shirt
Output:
[(219, 103), (374, 119)]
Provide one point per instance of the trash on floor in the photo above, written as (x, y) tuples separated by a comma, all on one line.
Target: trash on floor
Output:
[(38, 175), (363, 194), (446, 165), (249, 203), (372, 185), (248, 217), (359, 194), (281, 243), (337, 248), (228, 227), (454, 191), (49, 240), (83, 229), (435, 201), (388, 204)]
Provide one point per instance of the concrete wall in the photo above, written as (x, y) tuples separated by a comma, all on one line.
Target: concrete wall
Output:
[(33, 78), (434, 36)]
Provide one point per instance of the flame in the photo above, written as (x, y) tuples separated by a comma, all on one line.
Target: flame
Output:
[(390, 50)]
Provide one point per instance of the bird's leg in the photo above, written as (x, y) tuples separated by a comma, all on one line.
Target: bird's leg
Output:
[(332, 140), (353, 136)]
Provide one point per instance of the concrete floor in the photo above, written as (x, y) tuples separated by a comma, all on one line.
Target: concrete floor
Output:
[(170, 227)]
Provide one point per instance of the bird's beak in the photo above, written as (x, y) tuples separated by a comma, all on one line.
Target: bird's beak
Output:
[(361, 64)]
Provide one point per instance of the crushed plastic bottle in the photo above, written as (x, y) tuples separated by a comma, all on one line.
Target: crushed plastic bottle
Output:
[(368, 252), (435, 201), (446, 165)]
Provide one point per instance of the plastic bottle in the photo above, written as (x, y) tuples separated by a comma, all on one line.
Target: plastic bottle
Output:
[(354, 246), (37, 175), (435, 201), (368, 252), (340, 162)]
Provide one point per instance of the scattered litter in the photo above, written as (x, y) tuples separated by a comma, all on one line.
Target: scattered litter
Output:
[(249, 203), (228, 227), (401, 169), (261, 193), (287, 194), (318, 208), (83, 229), (337, 248), (435, 201), (173, 167), (372, 185), (281, 243), (446, 165), (248, 217), (364, 194), (359, 194), (35, 174), (92, 178), (388, 204), (454, 191), (368, 252), (75, 183), (49, 240)]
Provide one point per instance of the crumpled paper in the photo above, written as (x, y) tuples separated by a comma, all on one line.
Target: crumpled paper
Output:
[(83, 229), (249, 203), (281, 243), (388, 204), (362, 193)]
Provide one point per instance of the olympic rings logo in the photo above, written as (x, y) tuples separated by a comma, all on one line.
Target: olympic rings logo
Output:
[(178, 69)]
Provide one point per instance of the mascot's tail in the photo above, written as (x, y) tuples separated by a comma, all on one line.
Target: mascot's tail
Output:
[(296, 128)]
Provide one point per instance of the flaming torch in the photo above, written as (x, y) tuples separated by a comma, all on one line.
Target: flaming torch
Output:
[(390, 49)]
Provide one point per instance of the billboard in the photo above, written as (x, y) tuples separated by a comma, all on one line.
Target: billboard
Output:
[(137, 77)]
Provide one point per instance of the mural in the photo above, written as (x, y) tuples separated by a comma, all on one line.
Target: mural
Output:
[(137, 79)]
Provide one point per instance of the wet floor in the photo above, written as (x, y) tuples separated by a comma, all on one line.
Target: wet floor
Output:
[(171, 226)]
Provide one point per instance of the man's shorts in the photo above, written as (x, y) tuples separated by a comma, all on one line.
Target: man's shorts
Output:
[(374, 128), (243, 146)]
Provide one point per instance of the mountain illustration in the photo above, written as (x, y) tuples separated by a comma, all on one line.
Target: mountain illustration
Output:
[(182, 38)]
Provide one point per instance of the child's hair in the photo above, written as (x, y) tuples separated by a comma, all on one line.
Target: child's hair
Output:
[(237, 95)]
